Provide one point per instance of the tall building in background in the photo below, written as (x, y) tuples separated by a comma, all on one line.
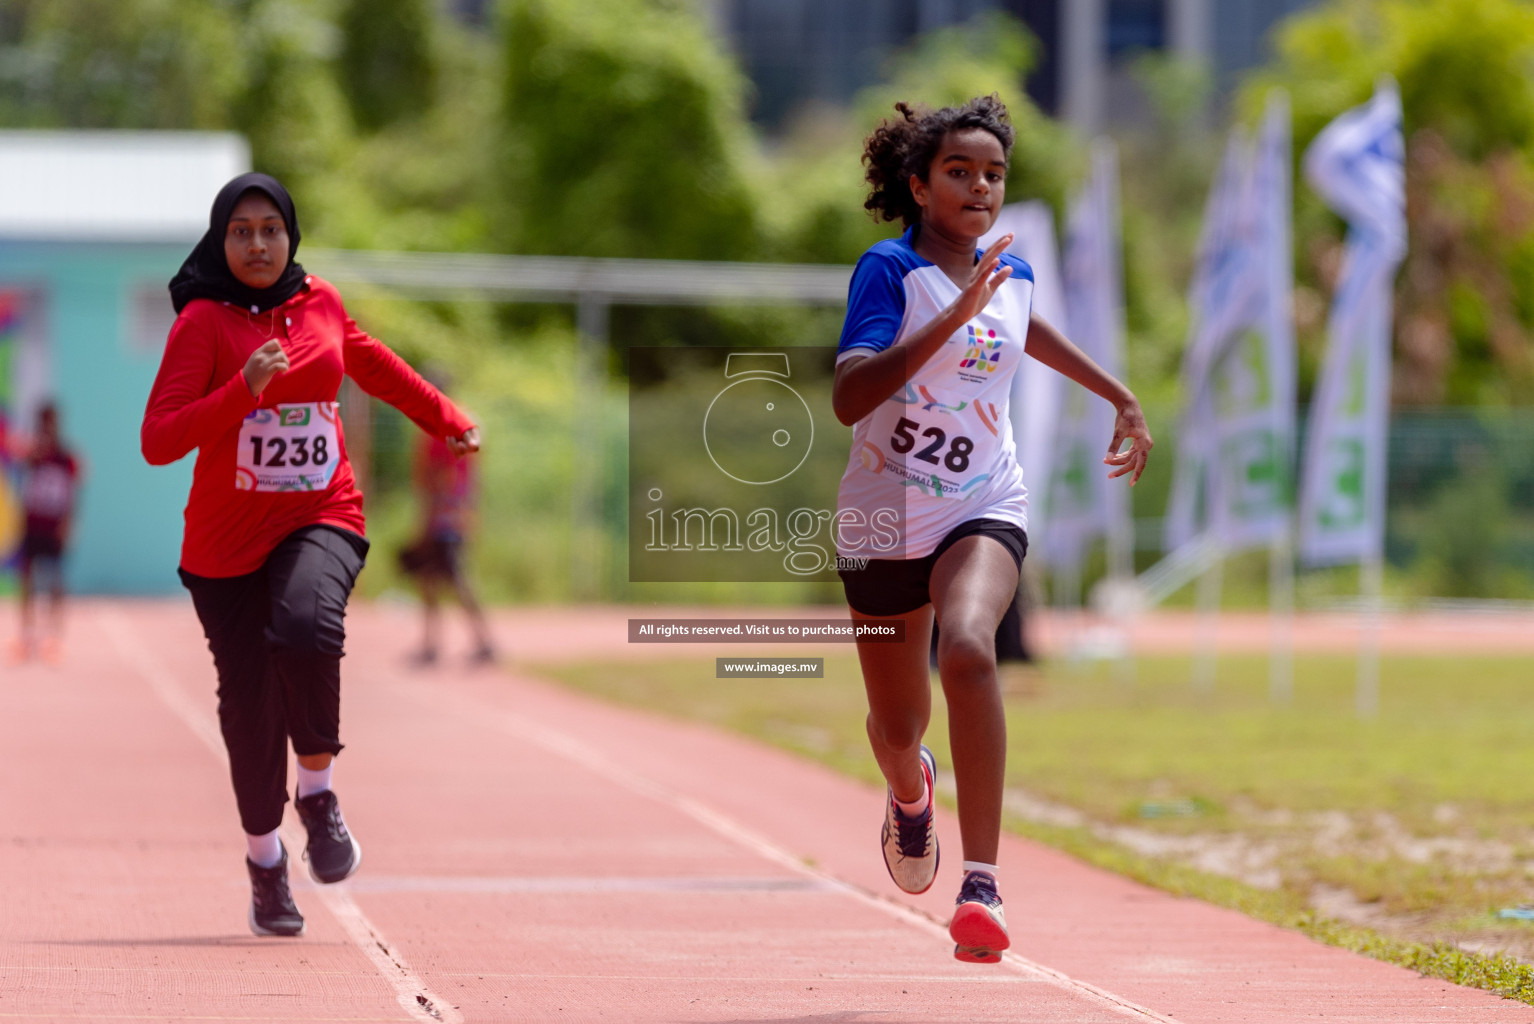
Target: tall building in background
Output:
[(801, 51), (797, 52)]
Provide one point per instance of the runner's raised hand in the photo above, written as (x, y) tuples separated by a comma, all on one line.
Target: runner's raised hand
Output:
[(264, 363), (983, 281)]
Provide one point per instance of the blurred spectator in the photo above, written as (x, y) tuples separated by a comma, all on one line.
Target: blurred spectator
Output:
[(446, 491), (50, 479), (10, 513)]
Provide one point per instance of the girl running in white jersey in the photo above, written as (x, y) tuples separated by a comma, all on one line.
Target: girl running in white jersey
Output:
[(932, 504)]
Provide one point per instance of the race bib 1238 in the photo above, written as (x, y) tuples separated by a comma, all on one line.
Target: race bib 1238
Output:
[(288, 448)]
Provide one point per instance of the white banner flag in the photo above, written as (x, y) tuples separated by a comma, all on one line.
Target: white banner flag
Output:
[(1233, 476), (1357, 164), (1037, 391), (1082, 505)]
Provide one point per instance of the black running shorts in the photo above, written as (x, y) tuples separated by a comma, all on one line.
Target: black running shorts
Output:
[(894, 586), (37, 545)]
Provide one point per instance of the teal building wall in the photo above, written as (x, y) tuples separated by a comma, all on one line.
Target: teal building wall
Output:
[(104, 352)]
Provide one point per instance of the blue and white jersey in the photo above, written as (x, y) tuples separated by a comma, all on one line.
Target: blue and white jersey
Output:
[(939, 453)]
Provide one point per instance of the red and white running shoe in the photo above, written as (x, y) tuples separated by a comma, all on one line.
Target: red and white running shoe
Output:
[(979, 926)]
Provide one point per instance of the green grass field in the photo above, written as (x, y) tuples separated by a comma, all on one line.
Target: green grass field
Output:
[(1402, 836)]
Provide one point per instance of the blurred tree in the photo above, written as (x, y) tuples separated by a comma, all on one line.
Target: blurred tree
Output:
[(815, 206), (260, 67), (623, 133), (119, 63), (388, 67), (1463, 547), (1465, 323), (1462, 66), (1167, 163), (292, 109), (429, 182)]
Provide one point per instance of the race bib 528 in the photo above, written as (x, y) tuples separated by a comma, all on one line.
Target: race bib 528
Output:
[(942, 444), (288, 448)]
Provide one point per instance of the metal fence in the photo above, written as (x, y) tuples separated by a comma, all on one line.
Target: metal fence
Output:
[(1460, 514), (1461, 481)]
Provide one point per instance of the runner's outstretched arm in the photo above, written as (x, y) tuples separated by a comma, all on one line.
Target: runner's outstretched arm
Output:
[(385, 376), (1054, 350)]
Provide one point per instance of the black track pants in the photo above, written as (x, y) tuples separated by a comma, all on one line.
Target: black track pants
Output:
[(277, 637)]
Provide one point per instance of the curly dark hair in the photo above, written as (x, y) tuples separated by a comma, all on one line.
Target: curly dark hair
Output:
[(907, 145)]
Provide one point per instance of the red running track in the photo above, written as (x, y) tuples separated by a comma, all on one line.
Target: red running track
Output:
[(533, 855)]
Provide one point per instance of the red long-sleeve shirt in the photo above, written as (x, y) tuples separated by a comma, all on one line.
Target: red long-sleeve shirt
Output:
[(200, 400)]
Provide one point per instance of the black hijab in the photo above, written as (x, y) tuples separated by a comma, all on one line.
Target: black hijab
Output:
[(206, 273)]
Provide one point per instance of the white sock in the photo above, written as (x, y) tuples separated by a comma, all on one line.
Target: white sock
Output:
[(980, 866), (311, 781), (264, 851)]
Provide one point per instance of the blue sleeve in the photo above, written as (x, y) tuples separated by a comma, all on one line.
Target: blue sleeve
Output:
[(1021, 271), (875, 305)]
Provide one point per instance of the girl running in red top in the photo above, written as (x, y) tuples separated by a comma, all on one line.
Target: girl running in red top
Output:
[(274, 527), (935, 331)]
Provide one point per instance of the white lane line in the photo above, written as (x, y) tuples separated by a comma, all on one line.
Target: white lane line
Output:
[(967, 980), (566, 745), (569, 886), (420, 1002)]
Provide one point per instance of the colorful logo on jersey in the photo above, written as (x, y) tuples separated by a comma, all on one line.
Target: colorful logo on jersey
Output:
[(870, 457), (984, 352), (922, 397), (294, 415), (989, 422)]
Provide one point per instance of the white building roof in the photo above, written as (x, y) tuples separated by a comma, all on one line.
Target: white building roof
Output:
[(113, 186)]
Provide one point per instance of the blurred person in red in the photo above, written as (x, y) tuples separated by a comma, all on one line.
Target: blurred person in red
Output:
[(50, 479), (10, 512), (447, 492)]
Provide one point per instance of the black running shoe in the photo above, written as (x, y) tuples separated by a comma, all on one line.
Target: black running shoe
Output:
[(272, 911), (333, 853)]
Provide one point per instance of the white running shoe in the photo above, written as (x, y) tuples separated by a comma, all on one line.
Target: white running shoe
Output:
[(910, 844)]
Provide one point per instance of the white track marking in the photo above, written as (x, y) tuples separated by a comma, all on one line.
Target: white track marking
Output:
[(565, 745), (420, 1002), (583, 885)]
